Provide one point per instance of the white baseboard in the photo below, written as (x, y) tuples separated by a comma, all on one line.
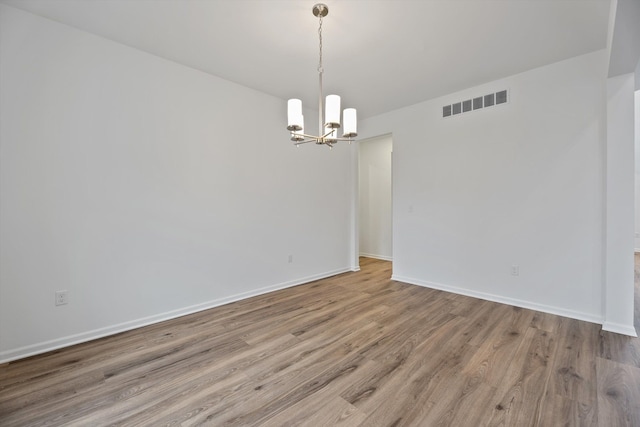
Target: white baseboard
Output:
[(43, 347), (382, 257), (503, 300), (619, 329)]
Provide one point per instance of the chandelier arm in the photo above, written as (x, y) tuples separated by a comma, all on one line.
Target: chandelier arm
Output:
[(320, 139), (305, 136), (303, 142)]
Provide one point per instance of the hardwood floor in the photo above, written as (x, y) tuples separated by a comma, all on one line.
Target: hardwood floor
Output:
[(353, 350)]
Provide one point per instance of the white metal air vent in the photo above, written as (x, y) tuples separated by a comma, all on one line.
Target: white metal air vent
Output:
[(477, 103)]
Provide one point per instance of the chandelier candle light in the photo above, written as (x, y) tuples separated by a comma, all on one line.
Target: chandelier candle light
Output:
[(329, 124)]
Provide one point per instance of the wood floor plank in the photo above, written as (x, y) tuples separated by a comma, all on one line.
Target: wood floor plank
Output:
[(462, 398), (618, 393), (338, 372), (521, 397), (415, 376), (323, 407), (356, 349), (619, 348), (574, 365), (546, 322), (496, 352), (561, 411)]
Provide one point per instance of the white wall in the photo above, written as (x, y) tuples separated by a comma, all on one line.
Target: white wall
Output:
[(374, 168), (146, 189), (517, 184)]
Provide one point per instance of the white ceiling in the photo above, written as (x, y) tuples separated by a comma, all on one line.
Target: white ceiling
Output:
[(379, 55)]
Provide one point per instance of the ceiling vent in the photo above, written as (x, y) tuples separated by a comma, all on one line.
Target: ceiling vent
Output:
[(477, 103)]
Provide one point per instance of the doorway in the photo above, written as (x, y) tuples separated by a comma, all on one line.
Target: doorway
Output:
[(375, 231)]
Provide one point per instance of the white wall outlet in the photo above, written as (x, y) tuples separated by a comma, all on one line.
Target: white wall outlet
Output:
[(515, 270), (62, 297), (290, 259)]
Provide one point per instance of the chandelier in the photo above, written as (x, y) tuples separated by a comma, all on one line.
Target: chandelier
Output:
[(328, 124)]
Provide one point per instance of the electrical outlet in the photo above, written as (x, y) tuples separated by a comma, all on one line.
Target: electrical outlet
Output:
[(62, 297), (290, 259), (515, 270)]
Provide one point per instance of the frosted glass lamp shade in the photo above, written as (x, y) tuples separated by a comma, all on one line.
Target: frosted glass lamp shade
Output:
[(350, 120), (294, 115), (296, 135), (332, 111)]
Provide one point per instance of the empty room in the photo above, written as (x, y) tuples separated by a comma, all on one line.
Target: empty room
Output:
[(292, 213)]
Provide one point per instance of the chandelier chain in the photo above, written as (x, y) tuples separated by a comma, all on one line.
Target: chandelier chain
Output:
[(320, 70)]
